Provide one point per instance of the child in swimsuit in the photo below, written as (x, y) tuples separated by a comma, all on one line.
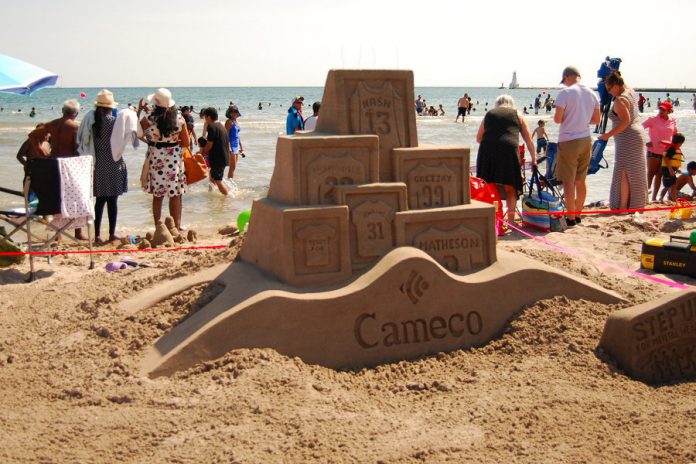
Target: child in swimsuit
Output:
[(542, 137), (671, 162)]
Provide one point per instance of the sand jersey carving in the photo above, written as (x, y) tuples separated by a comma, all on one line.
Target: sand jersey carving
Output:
[(374, 221), (378, 109), (432, 186), (327, 171), (457, 249), (316, 240)]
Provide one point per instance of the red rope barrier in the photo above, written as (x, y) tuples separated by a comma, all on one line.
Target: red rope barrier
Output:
[(98, 252)]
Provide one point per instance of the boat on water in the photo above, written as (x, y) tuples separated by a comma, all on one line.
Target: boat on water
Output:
[(513, 82), (502, 85)]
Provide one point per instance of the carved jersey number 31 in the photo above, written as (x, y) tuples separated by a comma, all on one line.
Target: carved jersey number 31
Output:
[(374, 231), (379, 121)]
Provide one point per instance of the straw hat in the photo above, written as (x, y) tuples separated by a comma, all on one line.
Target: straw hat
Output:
[(163, 98), (105, 99)]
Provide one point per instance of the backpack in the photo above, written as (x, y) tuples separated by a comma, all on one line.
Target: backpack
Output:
[(597, 157)]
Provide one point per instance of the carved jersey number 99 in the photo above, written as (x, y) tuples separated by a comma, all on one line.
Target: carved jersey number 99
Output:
[(378, 122), (430, 197)]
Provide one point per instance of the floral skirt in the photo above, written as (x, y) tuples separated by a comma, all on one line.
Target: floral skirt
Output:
[(166, 176)]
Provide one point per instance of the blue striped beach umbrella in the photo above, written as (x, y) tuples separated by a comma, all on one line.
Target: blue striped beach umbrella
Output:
[(20, 77)]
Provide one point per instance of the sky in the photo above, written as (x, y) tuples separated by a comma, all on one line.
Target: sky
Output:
[(457, 43)]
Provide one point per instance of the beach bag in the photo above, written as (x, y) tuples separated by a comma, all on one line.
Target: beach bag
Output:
[(194, 166), (597, 160), (488, 193), (538, 202)]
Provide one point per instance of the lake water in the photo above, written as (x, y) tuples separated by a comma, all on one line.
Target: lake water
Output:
[(204, 209)]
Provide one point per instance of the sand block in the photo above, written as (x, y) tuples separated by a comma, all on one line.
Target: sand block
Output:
[(436, 176), (308, 167), (406, 306), (460, 238), (656, 341), (371, 102), (302, 246), (372, 211)]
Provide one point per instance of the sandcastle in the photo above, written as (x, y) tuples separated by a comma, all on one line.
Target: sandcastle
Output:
[(368, 248)]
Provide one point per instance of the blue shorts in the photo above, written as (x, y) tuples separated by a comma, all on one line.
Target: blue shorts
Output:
[(541, 143)]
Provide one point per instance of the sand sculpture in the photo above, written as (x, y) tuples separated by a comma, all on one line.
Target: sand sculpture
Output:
[(367, 249), (655, 341)]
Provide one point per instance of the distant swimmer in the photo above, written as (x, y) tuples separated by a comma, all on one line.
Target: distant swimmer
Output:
[(32, 114), (260, 106), (442, 110), (641, 102), (420, 105), (462, 106)]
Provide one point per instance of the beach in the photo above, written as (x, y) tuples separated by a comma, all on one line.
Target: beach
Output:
[(539, 392)]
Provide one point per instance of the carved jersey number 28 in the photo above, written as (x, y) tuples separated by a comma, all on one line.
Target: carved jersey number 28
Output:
[(379, 122)]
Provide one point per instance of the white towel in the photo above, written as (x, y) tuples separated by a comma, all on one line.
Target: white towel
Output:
[(124, 132), (76, 187), (85, 141)]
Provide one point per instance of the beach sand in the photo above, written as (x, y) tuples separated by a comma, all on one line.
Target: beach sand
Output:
[(541, 392)]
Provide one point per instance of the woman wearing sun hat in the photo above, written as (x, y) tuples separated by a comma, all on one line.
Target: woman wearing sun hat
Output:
[(660, 128), (164, 131), (110, 177)]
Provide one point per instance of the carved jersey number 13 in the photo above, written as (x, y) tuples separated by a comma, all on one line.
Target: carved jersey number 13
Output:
[(378, 121)]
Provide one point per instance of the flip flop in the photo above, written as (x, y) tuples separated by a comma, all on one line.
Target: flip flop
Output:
[(115, 266), (129, 261)]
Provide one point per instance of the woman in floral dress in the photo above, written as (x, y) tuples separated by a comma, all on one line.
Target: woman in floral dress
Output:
[(166, 136)]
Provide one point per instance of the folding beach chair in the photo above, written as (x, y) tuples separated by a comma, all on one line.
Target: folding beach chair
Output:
[(32, 220)]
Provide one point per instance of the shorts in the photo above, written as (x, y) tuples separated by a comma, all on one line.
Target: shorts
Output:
[(667, 180), (653, 155), (573, 160), (217, 172), (541, 145), (461, 111)]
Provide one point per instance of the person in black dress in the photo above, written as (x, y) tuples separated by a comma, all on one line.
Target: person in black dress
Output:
[(498, 159)]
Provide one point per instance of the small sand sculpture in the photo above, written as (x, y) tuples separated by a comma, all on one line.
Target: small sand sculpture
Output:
[(162, 236)]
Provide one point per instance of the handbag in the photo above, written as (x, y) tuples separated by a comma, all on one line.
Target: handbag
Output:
[(194, 166), (539, 202)]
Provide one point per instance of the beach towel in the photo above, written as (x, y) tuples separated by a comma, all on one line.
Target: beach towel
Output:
[(75, 192), (85, 141), (125, 131)]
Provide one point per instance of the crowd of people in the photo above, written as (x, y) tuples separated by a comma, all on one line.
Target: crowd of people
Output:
[(577, 107), (168, 131)]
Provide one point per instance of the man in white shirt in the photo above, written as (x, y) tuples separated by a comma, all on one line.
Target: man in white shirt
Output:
[(577, 106), (311, 122)]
